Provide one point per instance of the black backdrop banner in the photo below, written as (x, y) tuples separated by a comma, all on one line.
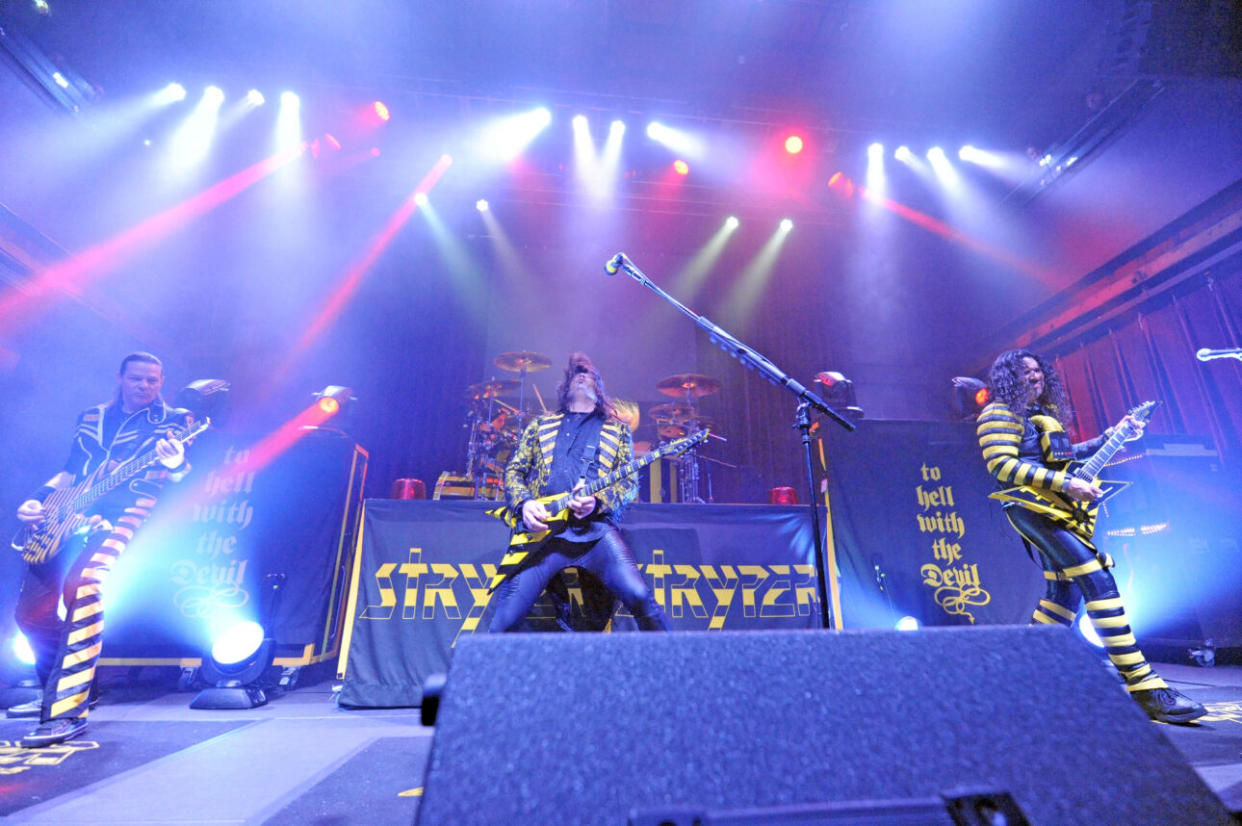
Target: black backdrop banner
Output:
[(421, 582), (915, 534), (199, 563)]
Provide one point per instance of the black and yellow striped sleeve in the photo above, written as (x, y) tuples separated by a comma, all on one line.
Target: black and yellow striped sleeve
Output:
[(1000, 435), (617, 449)]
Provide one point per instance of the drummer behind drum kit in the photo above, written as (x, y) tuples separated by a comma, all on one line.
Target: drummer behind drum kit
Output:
[(496, 425)]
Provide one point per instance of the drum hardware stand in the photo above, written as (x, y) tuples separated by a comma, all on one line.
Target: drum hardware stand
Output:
[(755, 361)]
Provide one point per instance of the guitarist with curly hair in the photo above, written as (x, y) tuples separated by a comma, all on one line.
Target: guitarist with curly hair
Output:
[(559, 453), (1022, 432), (74, 563)]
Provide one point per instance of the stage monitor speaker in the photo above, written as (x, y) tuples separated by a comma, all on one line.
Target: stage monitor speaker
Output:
[(645, 728)]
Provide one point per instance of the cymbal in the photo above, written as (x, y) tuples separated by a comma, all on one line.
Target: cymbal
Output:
[(688, 385), (673, 410), (489, 389), (518, 360)]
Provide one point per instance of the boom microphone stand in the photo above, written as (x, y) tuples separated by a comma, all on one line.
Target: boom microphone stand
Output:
[(755, 361)]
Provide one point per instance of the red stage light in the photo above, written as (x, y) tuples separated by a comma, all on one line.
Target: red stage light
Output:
[(331, 140), (329, 405), (793, 144), (835, 179), (981, 396), (681, 167), (381, 111)]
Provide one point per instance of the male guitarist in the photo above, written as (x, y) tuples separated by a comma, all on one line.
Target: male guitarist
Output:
[(582, 441), (1022, 434), (67, 649)]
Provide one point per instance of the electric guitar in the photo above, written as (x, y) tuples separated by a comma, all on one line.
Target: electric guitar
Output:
[(522, 543), (63, 510), (1080, 516)]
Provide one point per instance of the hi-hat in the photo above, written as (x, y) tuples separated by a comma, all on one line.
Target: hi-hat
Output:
[(688, 384), (521, 360), (490, 389)]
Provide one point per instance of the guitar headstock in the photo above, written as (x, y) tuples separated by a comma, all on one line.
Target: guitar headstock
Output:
[(685, 443), (1143, 411)]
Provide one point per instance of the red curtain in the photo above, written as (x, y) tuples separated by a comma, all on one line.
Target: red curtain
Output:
[(1150, 354)]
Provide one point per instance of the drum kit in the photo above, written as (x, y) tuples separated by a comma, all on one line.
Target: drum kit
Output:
[(680, 418), (496, 425)]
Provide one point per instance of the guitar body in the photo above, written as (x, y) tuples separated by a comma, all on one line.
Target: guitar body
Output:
[(523, 543), (1079, 517), (59, 523), (557, 523)]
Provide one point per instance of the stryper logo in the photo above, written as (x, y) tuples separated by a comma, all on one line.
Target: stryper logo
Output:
[(458, 592)]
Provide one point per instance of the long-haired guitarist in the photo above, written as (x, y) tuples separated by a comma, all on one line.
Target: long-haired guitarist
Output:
[(1022, 432), (66, 650), (583, 440)]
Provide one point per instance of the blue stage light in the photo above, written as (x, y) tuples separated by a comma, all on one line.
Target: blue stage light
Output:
[(22, 650), (1088, 631), (237, 642), (907, 624)]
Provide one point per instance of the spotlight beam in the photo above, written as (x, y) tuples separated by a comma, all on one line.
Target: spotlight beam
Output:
[(345, 289), (925, 221), (72, 276)]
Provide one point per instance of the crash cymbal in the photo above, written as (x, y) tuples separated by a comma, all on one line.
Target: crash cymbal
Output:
[(489, 389), (675, 411), (690, 385), (520, 360)]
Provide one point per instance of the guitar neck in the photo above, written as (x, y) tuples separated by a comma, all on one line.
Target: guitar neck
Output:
[(629, 468), (129, 470), (114, 480), (1091, 468)]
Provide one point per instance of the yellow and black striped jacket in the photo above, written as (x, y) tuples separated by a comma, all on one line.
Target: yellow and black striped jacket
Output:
[(526, 475), (1019, 450)]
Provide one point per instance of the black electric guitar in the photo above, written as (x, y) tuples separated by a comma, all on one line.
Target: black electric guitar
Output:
[(1080, 516), (63, 510), (522, 542)]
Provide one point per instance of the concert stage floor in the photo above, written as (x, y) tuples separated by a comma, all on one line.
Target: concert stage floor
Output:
[(300, 759)]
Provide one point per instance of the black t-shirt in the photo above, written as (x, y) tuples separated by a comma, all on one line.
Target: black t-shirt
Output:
[(575, 456)]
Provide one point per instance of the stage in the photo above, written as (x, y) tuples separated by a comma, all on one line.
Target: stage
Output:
[(301, 759)]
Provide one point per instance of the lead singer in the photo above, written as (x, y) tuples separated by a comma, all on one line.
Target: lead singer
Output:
[(558, 451)]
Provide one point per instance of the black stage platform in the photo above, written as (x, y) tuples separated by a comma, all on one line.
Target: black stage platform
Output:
[(301, 759)]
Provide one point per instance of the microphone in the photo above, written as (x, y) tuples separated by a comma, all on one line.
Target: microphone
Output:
[(615, 263), (1207, 355)]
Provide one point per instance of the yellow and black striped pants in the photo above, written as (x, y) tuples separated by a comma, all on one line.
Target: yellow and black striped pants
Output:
[(1074, 573), (66, 646)]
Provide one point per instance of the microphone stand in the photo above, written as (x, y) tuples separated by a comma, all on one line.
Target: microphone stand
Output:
[(807, 400)]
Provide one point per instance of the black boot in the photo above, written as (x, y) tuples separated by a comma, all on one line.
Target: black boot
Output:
[(1168, 705)]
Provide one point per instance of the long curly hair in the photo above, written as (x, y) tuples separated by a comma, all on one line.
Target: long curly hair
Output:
[(580, 363), (1007, 384)]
